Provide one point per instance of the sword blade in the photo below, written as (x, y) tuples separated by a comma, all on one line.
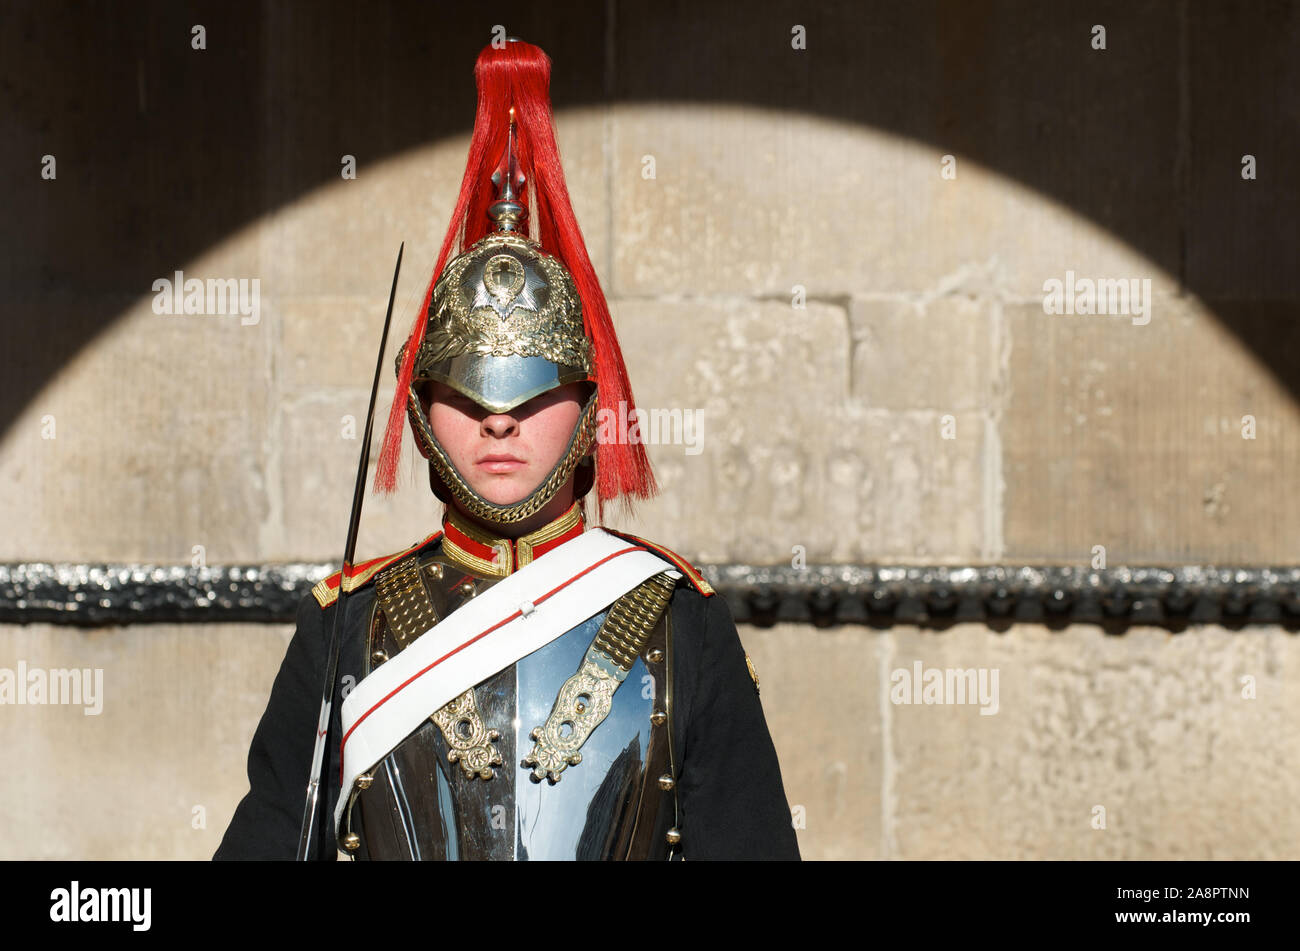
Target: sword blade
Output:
[(311, 806)]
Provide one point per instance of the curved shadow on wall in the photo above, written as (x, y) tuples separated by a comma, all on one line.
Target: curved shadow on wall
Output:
[(164, 150)]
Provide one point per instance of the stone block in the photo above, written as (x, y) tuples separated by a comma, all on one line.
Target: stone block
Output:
[(1131, 437), (1149, 731)]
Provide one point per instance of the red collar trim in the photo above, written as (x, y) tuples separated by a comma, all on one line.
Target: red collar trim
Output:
[(469, 543)]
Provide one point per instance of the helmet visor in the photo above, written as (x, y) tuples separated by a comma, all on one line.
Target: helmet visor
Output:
[(499, 384)]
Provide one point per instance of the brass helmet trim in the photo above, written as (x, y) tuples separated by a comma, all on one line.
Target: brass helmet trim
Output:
[(482, 306)]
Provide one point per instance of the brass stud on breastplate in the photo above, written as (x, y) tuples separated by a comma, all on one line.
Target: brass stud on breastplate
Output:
[(666, 782), (466, 588), (435, 571), (658, 718), (364, 781), (379, 657), (655, 656), (351, 842), (673, 836)]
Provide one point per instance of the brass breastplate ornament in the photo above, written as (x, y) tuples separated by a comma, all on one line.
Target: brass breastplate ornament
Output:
[(585, 698)]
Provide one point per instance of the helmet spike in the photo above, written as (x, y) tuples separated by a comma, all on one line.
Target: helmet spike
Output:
[(507, 213)]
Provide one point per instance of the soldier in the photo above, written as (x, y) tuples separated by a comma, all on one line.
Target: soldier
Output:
[(526, 687)]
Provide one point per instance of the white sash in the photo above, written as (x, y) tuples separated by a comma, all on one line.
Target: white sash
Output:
[(516, 616)]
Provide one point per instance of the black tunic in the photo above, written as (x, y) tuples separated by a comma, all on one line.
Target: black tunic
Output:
[(732, 802)]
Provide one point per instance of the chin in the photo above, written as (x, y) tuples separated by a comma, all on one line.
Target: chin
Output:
[(507, 493)]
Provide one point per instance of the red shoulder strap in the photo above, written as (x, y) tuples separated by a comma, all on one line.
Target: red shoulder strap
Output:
[(326, 592), (696, 579)]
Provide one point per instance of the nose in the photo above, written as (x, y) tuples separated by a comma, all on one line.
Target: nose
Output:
[(500, 424)]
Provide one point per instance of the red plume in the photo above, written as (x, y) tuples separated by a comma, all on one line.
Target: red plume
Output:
[(519, 75)]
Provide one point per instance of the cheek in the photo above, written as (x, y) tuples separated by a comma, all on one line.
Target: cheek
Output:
[(450, 427), (559, 423)]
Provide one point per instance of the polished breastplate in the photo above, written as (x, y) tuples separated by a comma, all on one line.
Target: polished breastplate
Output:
[(429, 799)]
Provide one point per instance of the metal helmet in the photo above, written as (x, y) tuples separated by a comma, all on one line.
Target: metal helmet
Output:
[(504, 325)]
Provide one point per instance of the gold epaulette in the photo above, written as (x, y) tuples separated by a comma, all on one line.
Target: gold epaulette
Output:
[(326, 592), (686, 568)]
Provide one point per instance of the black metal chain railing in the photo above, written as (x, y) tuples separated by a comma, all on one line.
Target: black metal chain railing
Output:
[(823, 595)]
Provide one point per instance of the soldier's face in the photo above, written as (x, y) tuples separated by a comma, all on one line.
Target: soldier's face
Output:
[(504, 456)]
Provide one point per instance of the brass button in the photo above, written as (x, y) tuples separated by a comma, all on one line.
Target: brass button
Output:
[(466, 588), (378, 657), (352, 842), (364, 781), (658, 718), (656, 656), (673, 836), (435, 571), (666, 782)]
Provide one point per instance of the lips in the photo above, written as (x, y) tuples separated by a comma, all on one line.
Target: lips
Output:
[(500, 462)]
